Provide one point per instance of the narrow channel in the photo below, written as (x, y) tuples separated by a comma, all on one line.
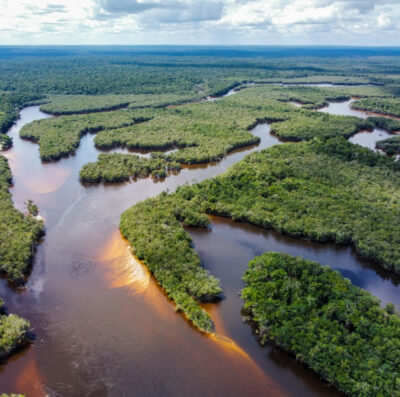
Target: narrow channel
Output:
[(364, 138), (102, 325)]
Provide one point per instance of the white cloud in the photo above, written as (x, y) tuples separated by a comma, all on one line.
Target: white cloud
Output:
[(384, 21), (358, 22)]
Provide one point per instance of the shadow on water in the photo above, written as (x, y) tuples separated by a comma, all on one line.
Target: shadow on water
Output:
[(102, 325)]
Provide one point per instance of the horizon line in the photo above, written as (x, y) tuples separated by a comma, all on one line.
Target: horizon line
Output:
[(205, 45)]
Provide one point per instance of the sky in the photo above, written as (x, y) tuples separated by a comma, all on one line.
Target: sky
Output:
[(220, 22)]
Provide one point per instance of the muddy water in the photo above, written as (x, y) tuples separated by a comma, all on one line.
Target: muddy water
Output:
[(227, 247), (103, 326)]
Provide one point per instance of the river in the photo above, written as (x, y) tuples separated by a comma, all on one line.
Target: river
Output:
[(364, 138), (102, 325)]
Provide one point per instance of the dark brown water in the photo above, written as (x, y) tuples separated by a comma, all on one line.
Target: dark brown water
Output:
[(103, 326)]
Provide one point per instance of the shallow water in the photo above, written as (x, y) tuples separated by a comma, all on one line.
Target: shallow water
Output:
[(104, 327), (102, 324)]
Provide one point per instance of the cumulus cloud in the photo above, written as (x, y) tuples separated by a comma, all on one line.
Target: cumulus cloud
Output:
[(48, 9), (127, 6), (190, 12), (164, 11), (204, 22)]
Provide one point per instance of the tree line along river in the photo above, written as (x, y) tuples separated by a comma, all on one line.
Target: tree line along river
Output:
[(101, 323)]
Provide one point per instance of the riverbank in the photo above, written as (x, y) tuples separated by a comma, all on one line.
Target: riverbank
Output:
[(19, 237), (74, 309), (19, 233), (295, 189)]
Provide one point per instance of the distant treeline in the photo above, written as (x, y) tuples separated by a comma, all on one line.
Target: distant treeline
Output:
[(74, 71)]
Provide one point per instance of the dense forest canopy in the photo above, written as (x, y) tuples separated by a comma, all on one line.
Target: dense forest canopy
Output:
[(13, 332), (10, 104), (338, 330), (324, 190), (144, 70), (205, 132), (58, 137), (390, 106), (202, 132), (390, 145)]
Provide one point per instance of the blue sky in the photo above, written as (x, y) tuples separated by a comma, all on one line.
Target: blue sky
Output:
[(268, 22)]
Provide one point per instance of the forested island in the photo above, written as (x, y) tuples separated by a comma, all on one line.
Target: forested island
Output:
[(338, 330), (308, 190), (154, 115), (237, 112), (203, 132)]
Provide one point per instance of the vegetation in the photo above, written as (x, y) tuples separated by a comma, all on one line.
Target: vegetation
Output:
[(338, 330), (203, 132), (19, 234), (324, 79), (5, 142), (207, 131), (153, 70), (73, 104), (59, 137), (8, 112), (122, 75), (10, 104), (324, 190), (156, 235), (309, 125), (310, 97), (389, 125), (33, 209), (118, 167), (13, 332), (390, 106), (390, 145)]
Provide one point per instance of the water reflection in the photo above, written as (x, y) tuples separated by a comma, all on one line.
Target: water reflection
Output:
[(102, 324)]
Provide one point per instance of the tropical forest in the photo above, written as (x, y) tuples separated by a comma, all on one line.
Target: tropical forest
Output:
[(202, 221)]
